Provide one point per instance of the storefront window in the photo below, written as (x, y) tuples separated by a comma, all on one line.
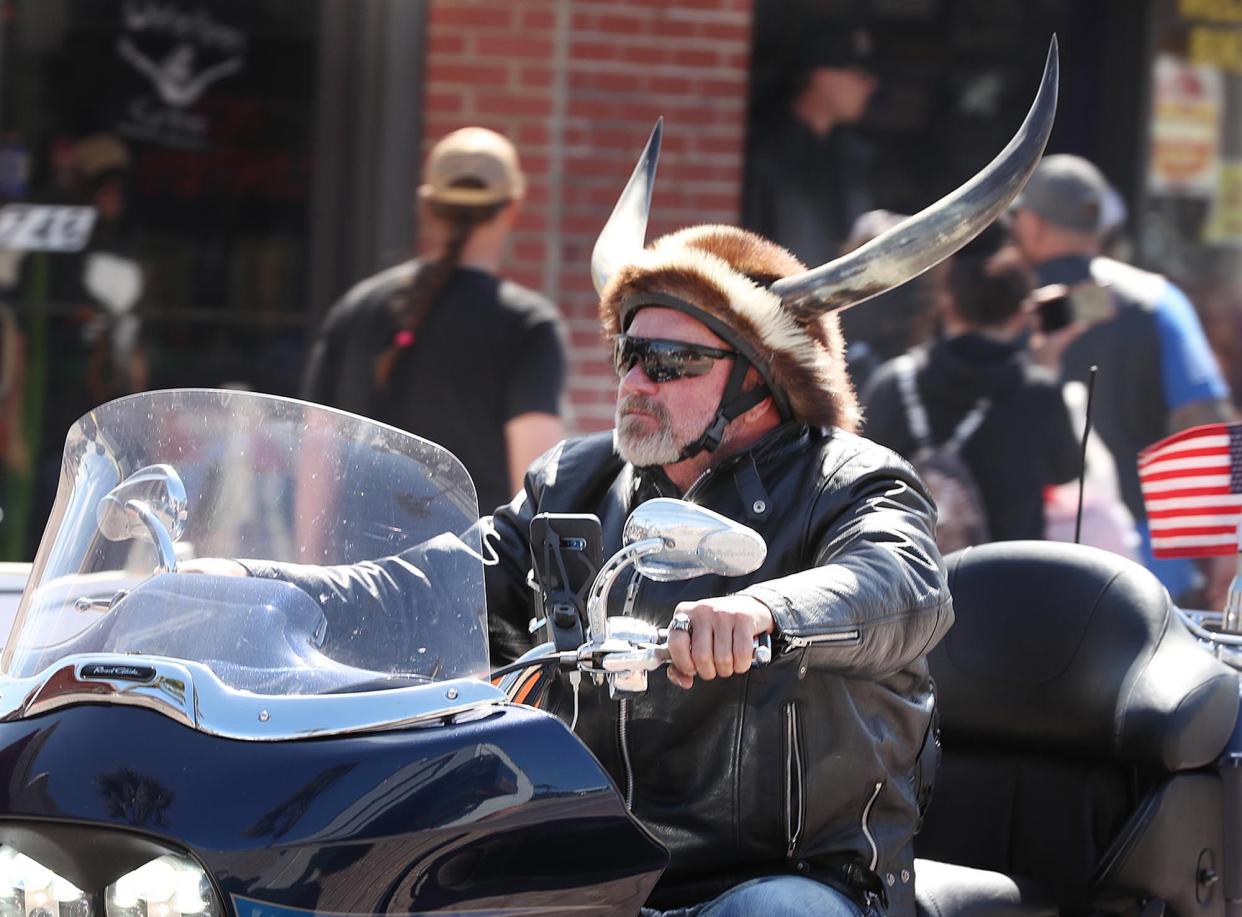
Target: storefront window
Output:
[(1193, 225), (187, 127)]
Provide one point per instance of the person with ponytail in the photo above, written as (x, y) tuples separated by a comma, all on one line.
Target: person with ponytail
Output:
[(442, 346)]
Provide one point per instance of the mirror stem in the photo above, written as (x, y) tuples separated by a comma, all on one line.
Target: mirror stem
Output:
[(597, 601), (159, 534)]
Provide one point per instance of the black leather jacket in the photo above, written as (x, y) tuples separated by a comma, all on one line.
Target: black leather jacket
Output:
[(810, 765)]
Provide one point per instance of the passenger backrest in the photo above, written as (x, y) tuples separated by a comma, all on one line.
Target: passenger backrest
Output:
[(1068, 690)]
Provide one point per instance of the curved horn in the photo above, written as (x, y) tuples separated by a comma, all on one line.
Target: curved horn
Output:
[(930, 236), (626, 230)]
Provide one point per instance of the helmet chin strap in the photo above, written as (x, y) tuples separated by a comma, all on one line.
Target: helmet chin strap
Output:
[(733, 403)]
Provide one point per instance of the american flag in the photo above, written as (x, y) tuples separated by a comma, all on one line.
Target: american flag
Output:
[(1192, 491)]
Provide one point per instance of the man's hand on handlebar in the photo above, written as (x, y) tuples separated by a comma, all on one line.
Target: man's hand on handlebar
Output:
[(720, 641)]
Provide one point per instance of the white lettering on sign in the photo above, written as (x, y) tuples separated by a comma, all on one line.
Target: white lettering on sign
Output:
[(172, 21), (45, 228)]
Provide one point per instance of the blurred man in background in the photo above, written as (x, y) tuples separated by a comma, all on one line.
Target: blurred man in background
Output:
[(440, 345), (1157, 374), (807, 176)]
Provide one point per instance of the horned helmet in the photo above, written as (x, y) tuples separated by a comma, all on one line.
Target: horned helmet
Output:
[(780, 317)]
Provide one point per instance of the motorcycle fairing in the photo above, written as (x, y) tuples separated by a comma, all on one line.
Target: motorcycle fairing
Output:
[(501, 814)]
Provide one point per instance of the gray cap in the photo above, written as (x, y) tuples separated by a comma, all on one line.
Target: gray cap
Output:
[(1066, 190)]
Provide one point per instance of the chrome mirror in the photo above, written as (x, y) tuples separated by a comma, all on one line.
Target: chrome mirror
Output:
[(667, 540), (695, 540), (149, 505)]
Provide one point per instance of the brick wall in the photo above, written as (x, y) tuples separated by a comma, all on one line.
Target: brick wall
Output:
[(578, 84)]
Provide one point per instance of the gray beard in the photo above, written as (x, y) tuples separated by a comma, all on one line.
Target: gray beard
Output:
[(645, 451)]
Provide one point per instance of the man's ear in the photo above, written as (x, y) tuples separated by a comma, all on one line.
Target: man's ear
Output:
[(764, 410), (759, 413)]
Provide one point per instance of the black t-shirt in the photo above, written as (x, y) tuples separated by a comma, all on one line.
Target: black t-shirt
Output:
[(488, 350)]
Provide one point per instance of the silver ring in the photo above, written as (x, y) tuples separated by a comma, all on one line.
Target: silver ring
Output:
[(680, 621)]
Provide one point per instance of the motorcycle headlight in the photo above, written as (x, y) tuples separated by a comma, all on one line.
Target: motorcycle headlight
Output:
[(167, 886), (31, 889)]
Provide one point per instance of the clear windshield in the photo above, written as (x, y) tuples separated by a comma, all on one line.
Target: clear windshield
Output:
[(220, 474)]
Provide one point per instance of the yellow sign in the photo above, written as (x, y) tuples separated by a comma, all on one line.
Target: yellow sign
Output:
[(1224, 227), (1211, 10), (1217, 47)]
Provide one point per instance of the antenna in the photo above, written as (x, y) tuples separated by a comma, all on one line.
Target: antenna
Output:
[(1082, 470)]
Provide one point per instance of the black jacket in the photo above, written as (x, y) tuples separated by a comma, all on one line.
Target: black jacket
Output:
[(1025, 444), (807, 766)]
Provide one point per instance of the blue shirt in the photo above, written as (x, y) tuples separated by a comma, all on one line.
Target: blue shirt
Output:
[(1157, 320)]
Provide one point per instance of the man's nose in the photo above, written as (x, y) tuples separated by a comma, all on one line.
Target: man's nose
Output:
[(635, 380)]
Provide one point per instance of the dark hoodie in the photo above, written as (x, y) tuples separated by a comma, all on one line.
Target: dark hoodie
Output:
[(1025, 444)]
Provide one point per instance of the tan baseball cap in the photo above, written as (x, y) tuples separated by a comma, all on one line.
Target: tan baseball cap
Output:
[(472, 166)]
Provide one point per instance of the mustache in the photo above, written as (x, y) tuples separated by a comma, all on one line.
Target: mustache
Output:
[(644, 404)]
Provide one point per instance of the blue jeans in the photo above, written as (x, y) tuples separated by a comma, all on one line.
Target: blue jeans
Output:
[(771, 896)]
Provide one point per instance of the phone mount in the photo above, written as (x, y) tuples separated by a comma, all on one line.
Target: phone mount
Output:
[(565, 550)]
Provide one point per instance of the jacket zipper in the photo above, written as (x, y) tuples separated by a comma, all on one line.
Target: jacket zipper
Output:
[(622, 728), (793, 780), (866, 829), (797, 643)]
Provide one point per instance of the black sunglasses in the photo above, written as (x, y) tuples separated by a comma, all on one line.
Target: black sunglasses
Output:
[(664, 361)]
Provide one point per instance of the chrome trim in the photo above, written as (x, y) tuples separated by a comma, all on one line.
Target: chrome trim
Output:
[(1195, 619), (597, 600), (191, 694), (159, 535), (1225, 647)]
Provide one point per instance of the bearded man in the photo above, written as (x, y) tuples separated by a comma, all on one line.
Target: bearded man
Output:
[(794, 788)]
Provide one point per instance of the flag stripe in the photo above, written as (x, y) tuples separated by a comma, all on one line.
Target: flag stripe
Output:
[(1211, 429), (1218, 482), (1197, 512), (1212, 550), (1176, 531), (1180, 474), (1214, 499), (1218, 461), (1204, 445), (1194, 541)]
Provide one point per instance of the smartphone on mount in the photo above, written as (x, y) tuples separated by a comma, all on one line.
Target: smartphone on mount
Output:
[(566, 553)]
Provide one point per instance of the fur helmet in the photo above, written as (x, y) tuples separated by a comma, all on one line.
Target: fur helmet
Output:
[(723, 273), (767, 304)]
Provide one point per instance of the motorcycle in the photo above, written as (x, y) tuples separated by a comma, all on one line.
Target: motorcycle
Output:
[(177, 744)]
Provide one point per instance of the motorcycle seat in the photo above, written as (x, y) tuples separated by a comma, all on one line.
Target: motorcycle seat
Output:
[(1075, 710), (950, 890)]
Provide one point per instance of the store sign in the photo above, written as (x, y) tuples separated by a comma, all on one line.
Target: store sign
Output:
[(1224, 226), (45, 228), (1211, 10), (1188, 106), (181, 54)]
